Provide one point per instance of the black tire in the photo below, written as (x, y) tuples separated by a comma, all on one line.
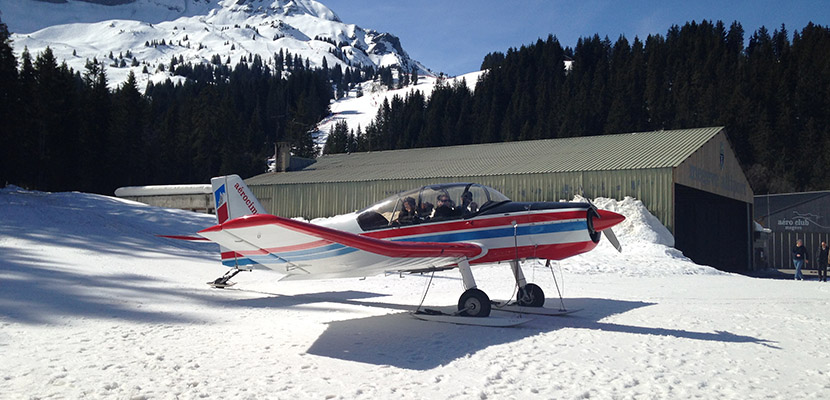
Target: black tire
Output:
[(475, 303), (531, 295)]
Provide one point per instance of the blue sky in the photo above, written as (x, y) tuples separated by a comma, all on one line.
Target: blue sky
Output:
[(453, 36)]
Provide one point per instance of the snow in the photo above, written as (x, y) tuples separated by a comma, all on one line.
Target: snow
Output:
[(94, 305), (360, 111), (162, 190), (193, 30)]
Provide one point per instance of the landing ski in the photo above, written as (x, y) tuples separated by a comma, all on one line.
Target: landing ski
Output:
[(215, 285), (477, 321), (513, 308)]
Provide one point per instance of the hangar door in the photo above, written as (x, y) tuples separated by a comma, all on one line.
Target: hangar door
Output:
[(711, 229)]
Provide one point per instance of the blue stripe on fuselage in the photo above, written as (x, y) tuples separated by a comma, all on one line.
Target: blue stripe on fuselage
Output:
[(467, 235)]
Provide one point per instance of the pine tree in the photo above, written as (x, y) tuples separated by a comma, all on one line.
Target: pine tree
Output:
[(9, 110), (56, 123), (95, 125), (127, 160), (338, 139)]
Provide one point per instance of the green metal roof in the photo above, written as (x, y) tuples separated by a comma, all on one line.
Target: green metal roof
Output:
[(640, 150)]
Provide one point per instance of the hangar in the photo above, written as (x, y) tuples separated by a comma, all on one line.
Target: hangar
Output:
[(690, 179)]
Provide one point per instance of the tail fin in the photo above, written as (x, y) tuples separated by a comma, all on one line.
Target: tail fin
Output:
[(233, 199)]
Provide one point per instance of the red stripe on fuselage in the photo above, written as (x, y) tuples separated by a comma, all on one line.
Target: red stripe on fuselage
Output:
[(557, 251)]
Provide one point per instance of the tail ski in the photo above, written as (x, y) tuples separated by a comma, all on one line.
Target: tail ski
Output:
[(233, 199)]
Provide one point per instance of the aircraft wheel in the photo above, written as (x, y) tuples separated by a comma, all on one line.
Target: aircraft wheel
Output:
[(531, 295), (475, 303)]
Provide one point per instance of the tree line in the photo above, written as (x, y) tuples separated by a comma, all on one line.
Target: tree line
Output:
[(772, 94), (66, 130)]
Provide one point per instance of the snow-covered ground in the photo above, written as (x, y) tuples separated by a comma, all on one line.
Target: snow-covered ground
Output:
[(94, 305)]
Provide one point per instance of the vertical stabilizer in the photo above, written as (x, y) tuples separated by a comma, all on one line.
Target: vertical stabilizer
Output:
[(233, 199)]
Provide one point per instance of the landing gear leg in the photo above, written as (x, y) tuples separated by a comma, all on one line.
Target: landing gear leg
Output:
[(473, 302), (529, 294)]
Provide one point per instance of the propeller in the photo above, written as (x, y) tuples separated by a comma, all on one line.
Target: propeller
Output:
[(602, 221), (612, 238)]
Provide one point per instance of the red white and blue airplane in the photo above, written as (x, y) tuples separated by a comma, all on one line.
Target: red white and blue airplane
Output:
[(431, 228)]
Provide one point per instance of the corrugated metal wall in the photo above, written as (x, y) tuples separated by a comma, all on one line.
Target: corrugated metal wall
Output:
[(311, 200), (654, 187), (782, 243)]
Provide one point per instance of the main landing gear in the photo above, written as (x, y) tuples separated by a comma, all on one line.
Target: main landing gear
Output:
[(473, 302), (529, 294), (476, 303)]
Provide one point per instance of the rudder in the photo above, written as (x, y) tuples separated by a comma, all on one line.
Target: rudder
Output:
[(233, 199)]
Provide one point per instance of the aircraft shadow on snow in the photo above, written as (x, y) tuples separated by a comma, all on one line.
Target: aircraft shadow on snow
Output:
[(400, 340)]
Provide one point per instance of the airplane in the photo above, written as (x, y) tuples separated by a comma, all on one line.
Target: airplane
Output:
[(419, 231)]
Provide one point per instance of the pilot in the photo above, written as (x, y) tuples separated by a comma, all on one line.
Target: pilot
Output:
[(468, 206), (445, 208), (408, 214)]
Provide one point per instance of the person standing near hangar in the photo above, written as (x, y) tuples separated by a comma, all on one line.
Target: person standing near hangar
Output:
[(822, 261), (800, 256)]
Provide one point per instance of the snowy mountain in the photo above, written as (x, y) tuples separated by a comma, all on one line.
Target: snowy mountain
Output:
[(146, 35)]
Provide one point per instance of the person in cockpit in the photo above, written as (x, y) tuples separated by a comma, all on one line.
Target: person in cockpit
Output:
[(424, 212), (445, 208), (408, 214), (468, 206)]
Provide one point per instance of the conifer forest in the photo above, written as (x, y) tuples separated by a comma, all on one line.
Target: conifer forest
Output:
[(65, 130)]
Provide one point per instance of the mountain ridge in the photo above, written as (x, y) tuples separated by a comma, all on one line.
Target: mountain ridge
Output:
[(155, 32)]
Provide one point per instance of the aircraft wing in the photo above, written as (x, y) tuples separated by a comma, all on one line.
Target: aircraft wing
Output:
[(309, 251)]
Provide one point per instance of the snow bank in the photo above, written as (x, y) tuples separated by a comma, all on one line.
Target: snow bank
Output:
[(647, 246)]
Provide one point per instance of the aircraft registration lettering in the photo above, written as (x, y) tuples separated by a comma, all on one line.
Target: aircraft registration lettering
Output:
[(245, 198)]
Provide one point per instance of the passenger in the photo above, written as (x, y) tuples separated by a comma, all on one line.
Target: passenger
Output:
[(445, 208), (425, 211), (468, 206), (408, 214)]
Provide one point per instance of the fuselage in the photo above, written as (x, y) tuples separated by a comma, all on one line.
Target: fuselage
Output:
[(483, 226), (507, 231)]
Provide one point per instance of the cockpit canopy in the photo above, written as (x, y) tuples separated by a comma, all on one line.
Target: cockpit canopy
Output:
[(427, 204)]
